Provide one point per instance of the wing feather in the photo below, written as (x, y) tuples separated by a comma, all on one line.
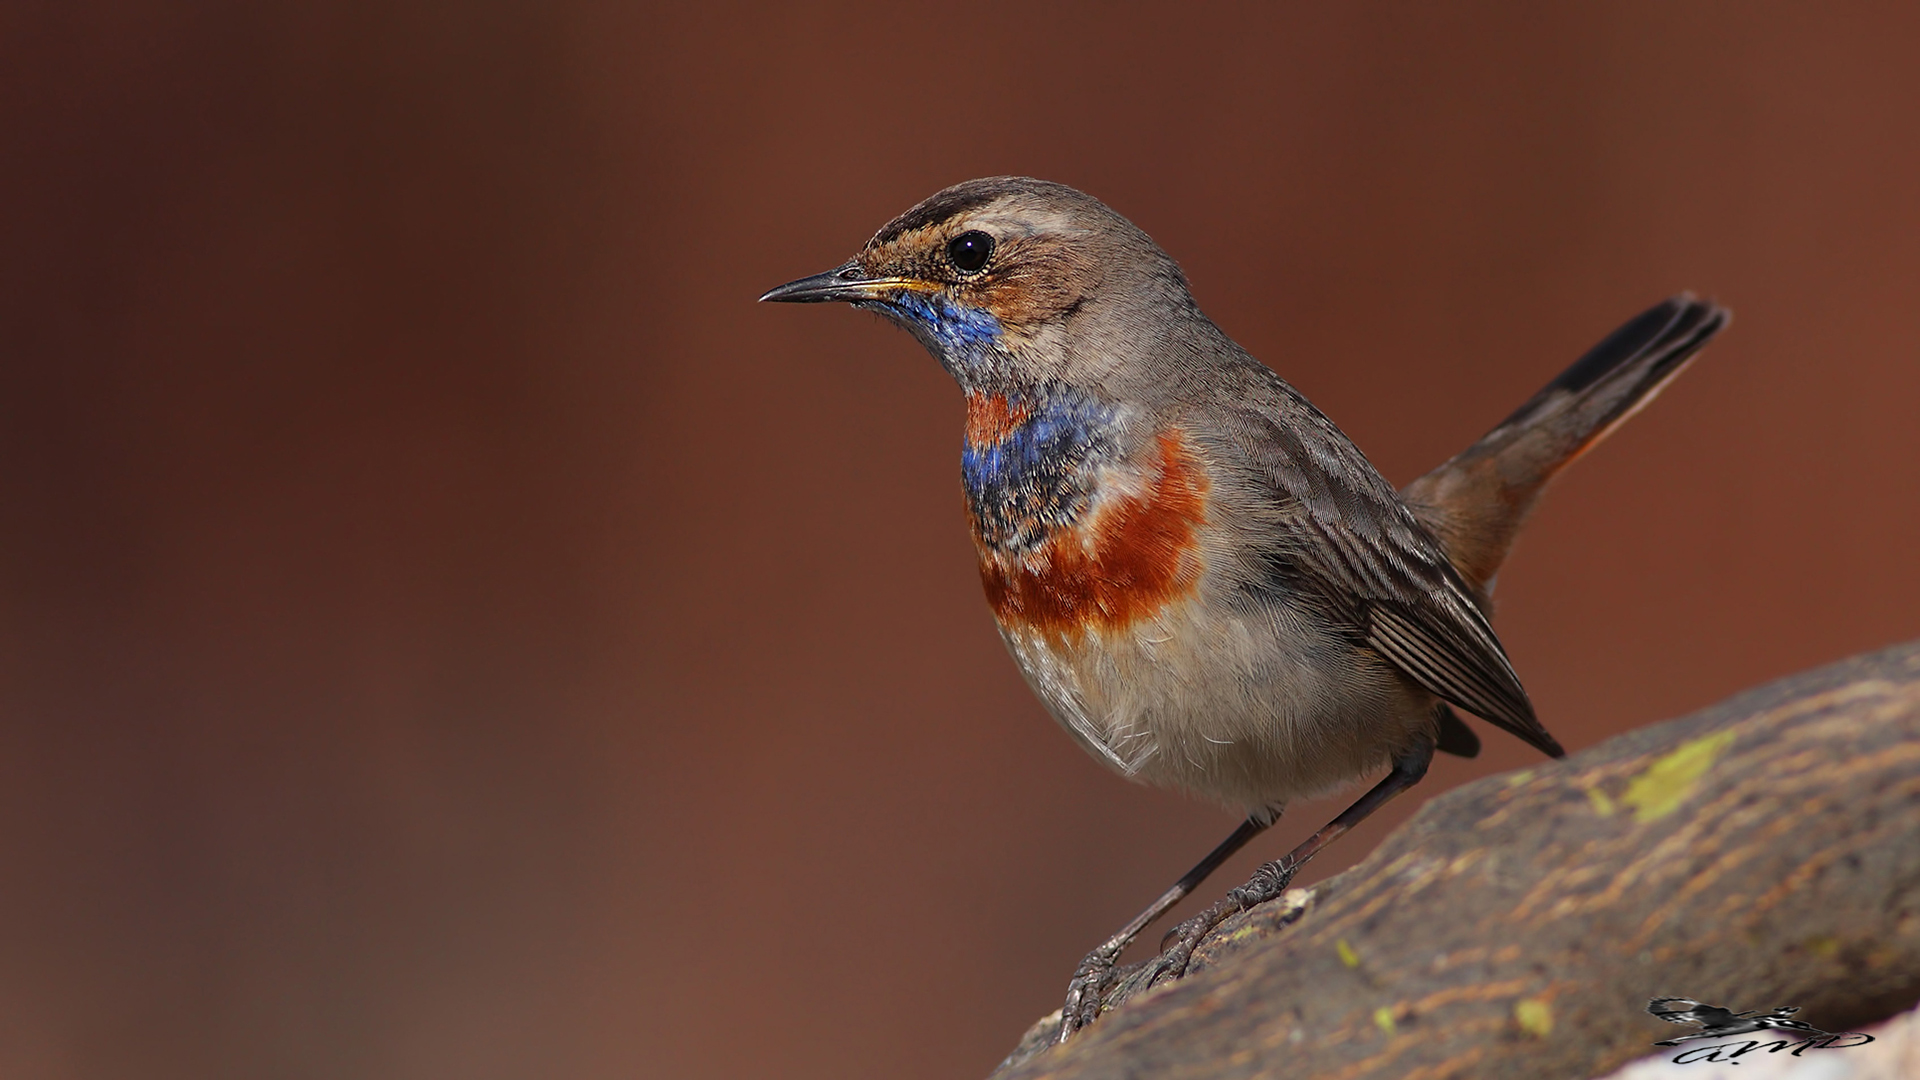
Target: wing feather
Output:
[(1378, 568)]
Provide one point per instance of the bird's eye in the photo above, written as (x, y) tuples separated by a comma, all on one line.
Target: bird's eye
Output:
[(970, 250)]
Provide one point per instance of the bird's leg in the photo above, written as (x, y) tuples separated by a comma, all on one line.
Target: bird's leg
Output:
[(1273, 878), (1091, 979)]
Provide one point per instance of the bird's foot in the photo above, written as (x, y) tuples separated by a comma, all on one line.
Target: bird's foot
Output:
[(1091, 981), (1099, 984), (1176, 949)]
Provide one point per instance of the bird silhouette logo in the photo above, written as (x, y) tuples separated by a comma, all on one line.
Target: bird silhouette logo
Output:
[(1716, 1022)]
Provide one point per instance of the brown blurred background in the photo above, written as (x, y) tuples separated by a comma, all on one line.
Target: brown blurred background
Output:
[(448, 630)]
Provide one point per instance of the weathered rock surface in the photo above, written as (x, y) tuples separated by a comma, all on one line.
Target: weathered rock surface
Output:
[(1762, 852)]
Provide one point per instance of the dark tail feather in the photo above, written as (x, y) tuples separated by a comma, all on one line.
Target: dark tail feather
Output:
[(1612, 382), (1476, 502)]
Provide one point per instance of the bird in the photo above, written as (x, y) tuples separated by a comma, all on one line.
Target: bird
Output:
[(1200, 576), (1717, 1022)]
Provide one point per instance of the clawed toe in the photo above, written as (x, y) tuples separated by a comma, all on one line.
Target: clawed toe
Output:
[(1176, 949), (1086, 992), (1097, 979)]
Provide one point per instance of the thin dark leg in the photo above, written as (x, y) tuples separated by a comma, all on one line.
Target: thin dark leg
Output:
[(1090, 980), (1272, 879)]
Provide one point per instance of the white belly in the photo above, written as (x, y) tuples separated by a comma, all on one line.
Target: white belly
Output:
[(1251, 711)]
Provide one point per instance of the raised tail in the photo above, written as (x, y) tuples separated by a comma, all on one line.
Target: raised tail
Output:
[(1476, 503)]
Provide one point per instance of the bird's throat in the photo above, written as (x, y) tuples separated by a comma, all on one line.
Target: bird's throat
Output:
[(1031, 462)]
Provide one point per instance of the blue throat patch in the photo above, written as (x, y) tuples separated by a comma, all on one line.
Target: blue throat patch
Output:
[(966, 340), (954, 325), (1036, 479), (1032, 477)]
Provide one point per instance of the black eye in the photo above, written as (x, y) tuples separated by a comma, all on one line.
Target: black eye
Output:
[(970, 250)]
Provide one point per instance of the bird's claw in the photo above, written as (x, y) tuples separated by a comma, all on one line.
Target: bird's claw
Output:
[(1098, 984), (1177, 948), (1086, 992)]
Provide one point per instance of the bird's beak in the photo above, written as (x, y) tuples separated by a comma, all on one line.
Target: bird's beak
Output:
[(849, 283)]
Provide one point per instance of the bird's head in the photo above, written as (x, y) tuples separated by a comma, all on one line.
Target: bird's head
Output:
[(1010, 282)]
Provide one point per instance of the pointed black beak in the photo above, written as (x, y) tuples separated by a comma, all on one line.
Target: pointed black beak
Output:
[(848, 283)]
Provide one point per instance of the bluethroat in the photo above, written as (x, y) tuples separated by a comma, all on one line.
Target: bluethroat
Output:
[(1203, 579)]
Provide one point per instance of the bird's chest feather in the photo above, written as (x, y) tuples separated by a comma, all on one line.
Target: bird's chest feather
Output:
[(1081, 529)]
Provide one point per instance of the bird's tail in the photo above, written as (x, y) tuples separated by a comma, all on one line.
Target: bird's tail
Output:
[(1476, 503)]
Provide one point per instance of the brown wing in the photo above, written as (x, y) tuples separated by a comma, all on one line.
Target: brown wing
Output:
[(1348, 539)]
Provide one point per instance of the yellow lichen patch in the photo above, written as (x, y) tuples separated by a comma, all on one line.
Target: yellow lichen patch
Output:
[(1383, 1019), (1347, 955), (1602, 805), (1666, 784), (1534, 1016), (1239, 933), (1823, 947)]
